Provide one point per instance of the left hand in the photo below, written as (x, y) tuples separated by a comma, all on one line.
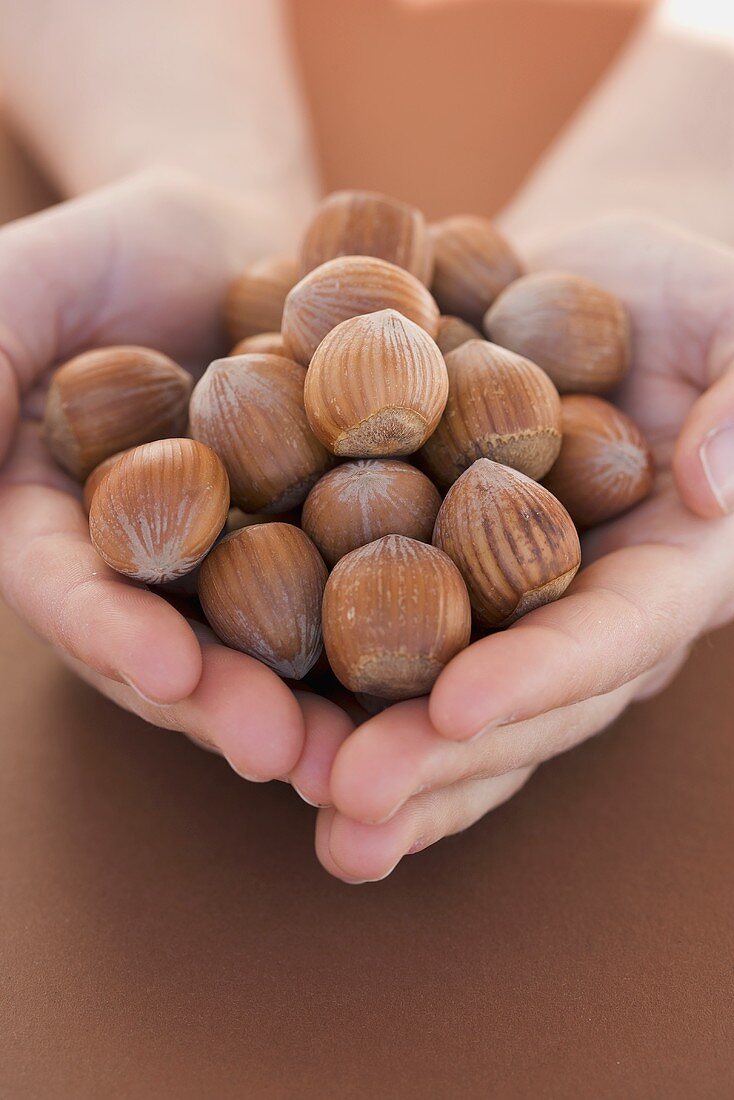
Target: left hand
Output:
[(654, 579)]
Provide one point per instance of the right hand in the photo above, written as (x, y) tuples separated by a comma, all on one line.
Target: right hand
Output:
[(145, 261)]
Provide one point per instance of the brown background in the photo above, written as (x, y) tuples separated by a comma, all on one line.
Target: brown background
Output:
[(448, 103), (167, 932)]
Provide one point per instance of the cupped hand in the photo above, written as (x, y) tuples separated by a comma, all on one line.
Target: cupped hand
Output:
[(146, 261), (653, 580)]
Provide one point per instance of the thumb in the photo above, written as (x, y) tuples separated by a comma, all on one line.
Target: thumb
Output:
[(703, 462), (9, 403), (51, 277)]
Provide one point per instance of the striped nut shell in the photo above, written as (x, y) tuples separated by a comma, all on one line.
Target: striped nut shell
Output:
[(377, 386), (109, 399), (605, 465), (97, 475), (159, 509), (261, 590), (453, 332), (254, 301), (500, 406), (395, 612), (363, 500), (366, 223), (473, 263), (269, 343), (249, 409), (515, 545), (575, 330), (350, 287)]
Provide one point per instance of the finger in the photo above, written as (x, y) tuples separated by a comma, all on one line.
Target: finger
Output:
[(398, 754), (622, 615), (327, 728), (52, 576), (121, 265), (240, 708), (703, 461), (358, 853)]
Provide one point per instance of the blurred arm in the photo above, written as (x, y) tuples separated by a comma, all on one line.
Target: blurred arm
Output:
[(99, 90), (657, 136)]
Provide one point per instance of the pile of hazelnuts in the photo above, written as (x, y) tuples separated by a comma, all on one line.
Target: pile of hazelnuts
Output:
[(401, 448)]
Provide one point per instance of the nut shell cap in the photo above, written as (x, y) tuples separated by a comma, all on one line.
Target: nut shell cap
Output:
[(376, 387)]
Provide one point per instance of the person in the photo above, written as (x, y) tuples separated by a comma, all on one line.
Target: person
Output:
[(179, 140)]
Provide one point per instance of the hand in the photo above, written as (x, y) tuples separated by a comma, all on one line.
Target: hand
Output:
[(653, 581), (146, 261)]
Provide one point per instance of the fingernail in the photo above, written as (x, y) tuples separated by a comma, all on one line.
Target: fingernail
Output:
[(717, 459), (387, 874), (139, 693), (316, 805), (244, 775), (418, 845)]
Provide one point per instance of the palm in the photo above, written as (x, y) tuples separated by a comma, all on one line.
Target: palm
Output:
[(146, 263), (653, 580), (682, 332)]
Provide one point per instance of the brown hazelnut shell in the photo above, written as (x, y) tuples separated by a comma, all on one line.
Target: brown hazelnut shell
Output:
[(605, 465), (254, 301), (500, 406), (159, 509), (249, 409), (376, 387), (96, 476), (261, 589), (576, 331), (473, 262), (453, 332), (395, 612), (351, 286), (359, 502), (267, 343), (366, 223), (514, 544), (107, 400)]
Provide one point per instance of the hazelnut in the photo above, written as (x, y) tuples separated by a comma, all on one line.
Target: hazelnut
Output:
[(268, 343), (395, 612), (249, 409), (158, 511), (254, 301), (500, 406), (363, 500), (605, 465), (107, 400), (350, 287), (453, 332), (377, 386), (261, 590), (473, 263), (365, 223), (514, 544), (96, 476), (575, 330)]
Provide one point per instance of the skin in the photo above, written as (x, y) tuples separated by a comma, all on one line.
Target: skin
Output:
[(88, 273), (130, 643), (656, 579)]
